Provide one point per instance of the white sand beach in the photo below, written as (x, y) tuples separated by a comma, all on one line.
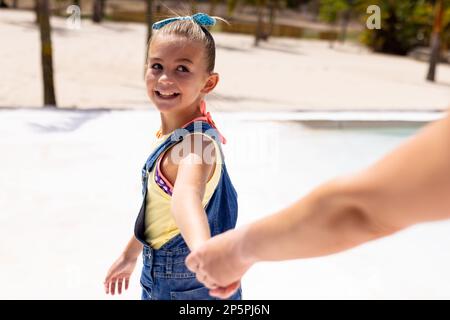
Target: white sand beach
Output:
[(101, 66)]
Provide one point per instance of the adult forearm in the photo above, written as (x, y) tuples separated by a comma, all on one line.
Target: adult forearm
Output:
[(328, 220)]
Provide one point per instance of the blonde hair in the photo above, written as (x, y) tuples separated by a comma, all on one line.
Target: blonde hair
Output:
[(192, 31)]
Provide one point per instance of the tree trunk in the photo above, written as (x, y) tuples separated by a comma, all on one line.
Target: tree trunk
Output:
[(3, 4), (273, 6), (344, 24), (149, 19), (158, 13), (46, 53), (259, 23), (436, 41), (98, 11), (434, 56), (36, 10), (314, 8), (231, 6), (193, 6), (15, 4), (212, 7)]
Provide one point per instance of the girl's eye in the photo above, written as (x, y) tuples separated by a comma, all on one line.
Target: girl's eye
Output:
[(182, 69), (156, 66)]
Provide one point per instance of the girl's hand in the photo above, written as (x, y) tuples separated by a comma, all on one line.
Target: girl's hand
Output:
[(119, 273), (220, 262)]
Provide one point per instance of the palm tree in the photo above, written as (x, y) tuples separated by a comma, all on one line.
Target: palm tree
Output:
[(231, 5), (212, 7), (36, 10), (345, 20), (436, 40), (149, 18), (259, 24), (46, 53), (98, 11), (273, 7), (193, 6)]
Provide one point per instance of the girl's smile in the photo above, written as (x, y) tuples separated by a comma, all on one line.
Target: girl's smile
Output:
[(166, 96)]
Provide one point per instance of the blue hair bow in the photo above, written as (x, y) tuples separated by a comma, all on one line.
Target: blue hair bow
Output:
[(201, 18)]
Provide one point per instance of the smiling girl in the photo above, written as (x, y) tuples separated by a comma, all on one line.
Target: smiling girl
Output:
[(187, 192)]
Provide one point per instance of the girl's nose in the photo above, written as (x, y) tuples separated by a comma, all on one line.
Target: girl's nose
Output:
[(165, 79)]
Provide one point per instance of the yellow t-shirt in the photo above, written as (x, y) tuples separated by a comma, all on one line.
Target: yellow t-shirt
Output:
[(160, 225)]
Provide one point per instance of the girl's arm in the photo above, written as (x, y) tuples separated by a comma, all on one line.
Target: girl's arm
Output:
[(133, 249), (119, 273), (408, 186), (195, 165)]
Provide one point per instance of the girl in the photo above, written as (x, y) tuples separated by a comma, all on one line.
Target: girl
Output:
[(187, 193)]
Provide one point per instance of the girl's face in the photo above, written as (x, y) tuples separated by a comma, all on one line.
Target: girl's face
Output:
[(176, 76)]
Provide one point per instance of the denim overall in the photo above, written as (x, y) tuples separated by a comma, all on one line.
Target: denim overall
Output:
[(164, 273)]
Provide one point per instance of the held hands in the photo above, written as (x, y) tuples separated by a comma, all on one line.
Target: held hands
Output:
[(119, 274), (220, 263)]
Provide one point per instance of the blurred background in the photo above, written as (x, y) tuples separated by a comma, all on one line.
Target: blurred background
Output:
[(309, 90)]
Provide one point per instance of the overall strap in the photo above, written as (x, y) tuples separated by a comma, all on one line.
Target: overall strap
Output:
[(139, 225), (178, 135)]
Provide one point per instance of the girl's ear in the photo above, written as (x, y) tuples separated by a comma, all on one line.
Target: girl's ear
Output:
[(211, 82)]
